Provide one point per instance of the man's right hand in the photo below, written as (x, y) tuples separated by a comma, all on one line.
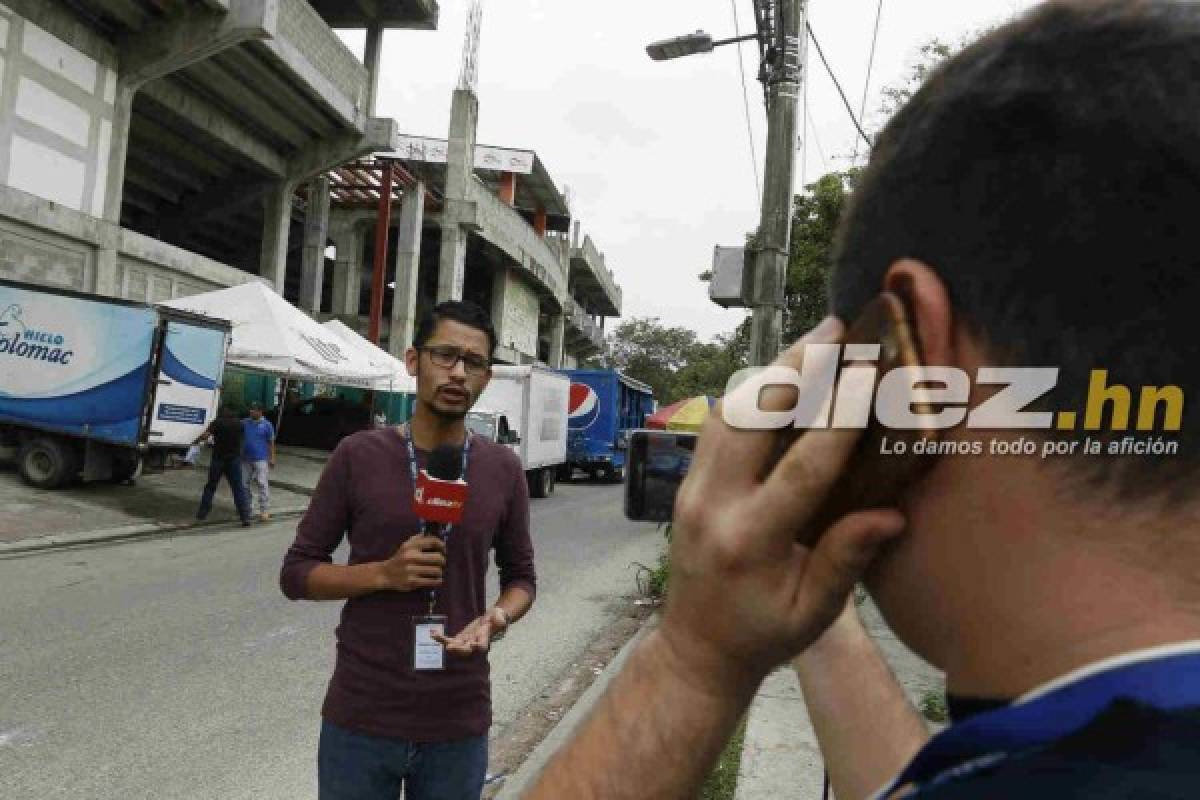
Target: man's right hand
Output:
[(418, 564), (745, 595)]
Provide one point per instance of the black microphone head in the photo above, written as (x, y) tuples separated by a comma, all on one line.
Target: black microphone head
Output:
[(445, 463)]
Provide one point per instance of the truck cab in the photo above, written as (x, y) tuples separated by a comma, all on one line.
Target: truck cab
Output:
[(606, 406)]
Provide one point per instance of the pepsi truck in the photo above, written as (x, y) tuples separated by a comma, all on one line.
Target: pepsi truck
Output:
[(96, 387), (605, 406)]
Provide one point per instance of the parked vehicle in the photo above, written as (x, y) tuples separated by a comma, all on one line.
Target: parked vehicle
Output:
[(319, 422), (526, 409), (605, 407), (100, 388)]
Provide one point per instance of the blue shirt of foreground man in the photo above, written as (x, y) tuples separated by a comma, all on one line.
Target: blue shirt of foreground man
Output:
[(1035, 206)]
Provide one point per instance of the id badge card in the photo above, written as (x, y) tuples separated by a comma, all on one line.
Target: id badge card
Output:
[(428, 654)]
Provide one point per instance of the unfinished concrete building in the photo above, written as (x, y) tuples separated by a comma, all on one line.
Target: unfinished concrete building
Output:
[(151, 149)]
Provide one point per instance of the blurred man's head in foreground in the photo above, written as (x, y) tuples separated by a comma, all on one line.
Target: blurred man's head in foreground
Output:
[(1035, 202)]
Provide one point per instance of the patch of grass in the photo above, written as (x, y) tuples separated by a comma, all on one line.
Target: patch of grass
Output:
[(659, 576), (933, 706), (722, 783)]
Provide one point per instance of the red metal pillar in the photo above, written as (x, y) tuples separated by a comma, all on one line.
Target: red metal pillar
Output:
[(539, 221), (382, 224), (508, 187)]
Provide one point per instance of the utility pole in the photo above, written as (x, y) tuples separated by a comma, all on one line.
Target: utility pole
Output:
[(784, 76)]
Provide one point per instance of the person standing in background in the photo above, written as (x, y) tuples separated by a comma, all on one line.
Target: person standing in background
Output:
[(227, 435), (258, 456)]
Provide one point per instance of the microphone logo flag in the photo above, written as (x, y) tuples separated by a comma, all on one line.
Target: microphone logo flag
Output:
[(439, 501)]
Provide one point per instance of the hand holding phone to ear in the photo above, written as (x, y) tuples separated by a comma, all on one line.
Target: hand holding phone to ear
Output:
[(745, 594)]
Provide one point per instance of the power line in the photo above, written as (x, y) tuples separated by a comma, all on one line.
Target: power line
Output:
[(837, 84), (862, 113), (737, 31), (812, 126)]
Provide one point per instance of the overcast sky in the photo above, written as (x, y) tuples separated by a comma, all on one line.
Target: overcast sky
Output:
[(656, 155)]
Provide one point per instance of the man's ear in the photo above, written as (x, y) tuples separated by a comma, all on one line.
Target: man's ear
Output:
[(412, 360), (928, 303)]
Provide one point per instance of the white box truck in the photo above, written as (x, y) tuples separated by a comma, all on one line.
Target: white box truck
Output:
[(525, 408), (95, 387)]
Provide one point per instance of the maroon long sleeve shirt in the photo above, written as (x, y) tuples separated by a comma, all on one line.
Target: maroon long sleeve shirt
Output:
[(366, 494)]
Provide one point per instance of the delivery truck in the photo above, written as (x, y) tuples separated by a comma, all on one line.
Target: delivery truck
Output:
[(605, 407), (97, 387), (525, 408)]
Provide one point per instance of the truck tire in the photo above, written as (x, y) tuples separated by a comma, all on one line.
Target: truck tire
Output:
[(126, 468), (551, 479), (539, 481), (565, 472), (46, 462)]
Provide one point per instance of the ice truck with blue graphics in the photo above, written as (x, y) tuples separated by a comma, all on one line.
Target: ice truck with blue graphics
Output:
[(96, 387), (604, 407)]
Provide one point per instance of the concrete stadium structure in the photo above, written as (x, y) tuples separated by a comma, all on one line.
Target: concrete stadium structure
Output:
[(151, 149)]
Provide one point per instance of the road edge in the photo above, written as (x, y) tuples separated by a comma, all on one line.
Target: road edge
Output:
[(149, 530)]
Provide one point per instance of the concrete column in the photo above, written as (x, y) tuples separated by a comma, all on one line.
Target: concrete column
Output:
[(452, 266), (277, 222), (347, 269), (122, 116), (107, 282), (558, 332), (408, 263), (460, 171), (372, 59), (500, 281), (316, 234)]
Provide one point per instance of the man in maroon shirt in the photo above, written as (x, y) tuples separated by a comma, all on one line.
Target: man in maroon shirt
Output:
[(387, 725)]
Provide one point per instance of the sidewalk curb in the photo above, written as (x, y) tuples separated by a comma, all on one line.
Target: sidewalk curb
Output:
[(523, 778), (148, 530)]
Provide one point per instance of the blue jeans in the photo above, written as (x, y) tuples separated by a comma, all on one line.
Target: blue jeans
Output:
[(355, 766), (231, 469)]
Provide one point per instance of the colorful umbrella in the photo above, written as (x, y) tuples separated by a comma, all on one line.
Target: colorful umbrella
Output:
[(686, 415)]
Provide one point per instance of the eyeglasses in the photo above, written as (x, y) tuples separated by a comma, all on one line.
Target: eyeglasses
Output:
[(448, 357)]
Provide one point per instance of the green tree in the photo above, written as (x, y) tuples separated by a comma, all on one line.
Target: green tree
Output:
[(931, 54), (672, 360), (646, 350), (814, 223)]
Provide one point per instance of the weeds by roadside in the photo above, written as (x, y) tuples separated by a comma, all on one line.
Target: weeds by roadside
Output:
[(722, 783), (933, 706)]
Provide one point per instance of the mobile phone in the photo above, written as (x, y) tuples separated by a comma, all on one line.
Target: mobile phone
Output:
[(657, 464), (870, 480)]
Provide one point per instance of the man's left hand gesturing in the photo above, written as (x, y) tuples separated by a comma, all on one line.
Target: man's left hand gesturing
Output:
[(477, 636)]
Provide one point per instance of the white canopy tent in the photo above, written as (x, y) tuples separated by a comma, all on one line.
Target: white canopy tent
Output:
[(397, 380), (271, 335)]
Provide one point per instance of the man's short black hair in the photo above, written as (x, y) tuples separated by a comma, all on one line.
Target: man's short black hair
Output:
[(461, 311), (1050, 175)]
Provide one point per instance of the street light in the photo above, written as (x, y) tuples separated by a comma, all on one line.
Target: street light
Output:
[(690, 45), (763, 272)]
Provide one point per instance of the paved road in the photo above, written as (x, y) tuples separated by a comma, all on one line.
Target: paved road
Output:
[(174, 668)]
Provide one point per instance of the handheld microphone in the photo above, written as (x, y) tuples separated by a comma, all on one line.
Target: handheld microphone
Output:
[(440, 493)]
